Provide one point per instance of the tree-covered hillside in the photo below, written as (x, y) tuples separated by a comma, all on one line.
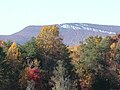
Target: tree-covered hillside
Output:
[(46, 63)]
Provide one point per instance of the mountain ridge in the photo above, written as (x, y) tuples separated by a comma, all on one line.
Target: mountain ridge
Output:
[(72, 33)]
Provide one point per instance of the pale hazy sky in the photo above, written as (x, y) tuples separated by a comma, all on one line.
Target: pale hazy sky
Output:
[(17, 14)]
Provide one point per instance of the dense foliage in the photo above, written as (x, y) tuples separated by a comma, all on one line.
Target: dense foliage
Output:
[(45, 63)]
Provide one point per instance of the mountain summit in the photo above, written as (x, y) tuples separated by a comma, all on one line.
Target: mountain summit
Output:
[(72, 33)]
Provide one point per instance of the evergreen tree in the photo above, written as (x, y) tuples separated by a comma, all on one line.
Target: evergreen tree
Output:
[(88, 63), (94, 69), (30, 57), (3, 80), (29, 49)]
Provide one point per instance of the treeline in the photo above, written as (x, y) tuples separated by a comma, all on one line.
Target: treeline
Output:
[(45, 63)]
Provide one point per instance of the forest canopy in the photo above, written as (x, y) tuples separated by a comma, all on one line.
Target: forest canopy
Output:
[(45, 63)]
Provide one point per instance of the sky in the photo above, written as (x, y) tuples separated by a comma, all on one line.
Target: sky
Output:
[(17, 14)]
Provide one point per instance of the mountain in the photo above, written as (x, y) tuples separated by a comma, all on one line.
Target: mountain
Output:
[(72, 33)]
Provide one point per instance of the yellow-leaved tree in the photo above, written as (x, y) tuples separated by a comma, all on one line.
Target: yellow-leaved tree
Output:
[(13, 55), (49, 43), (15, 62), (54, 57)]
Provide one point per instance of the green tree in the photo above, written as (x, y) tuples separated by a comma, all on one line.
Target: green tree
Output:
[(88, 63), (94, 68), (29, 53), (5, 71), (107, 77), (30, 49), (8, 44), (3, 80)]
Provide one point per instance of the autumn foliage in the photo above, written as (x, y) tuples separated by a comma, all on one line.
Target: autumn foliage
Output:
[(47, 64)]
